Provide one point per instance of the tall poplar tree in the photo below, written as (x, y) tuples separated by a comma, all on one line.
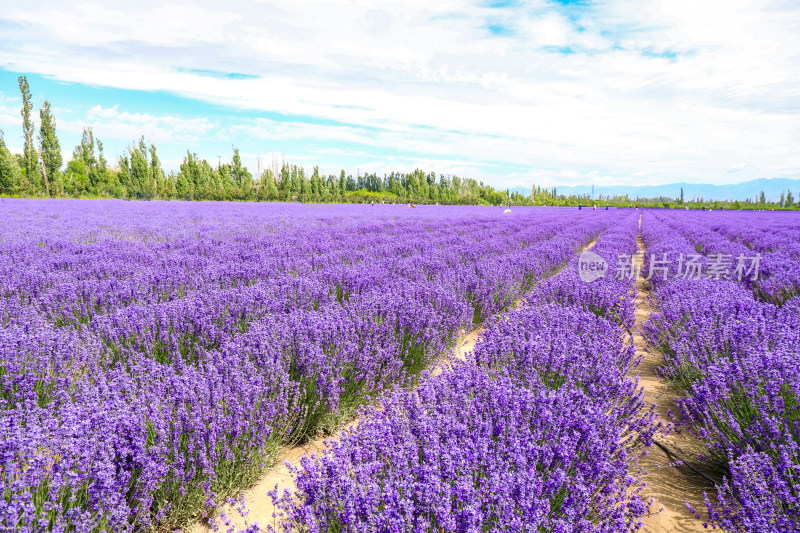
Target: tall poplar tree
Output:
[(241, 176), (30, 157), (51, 148)]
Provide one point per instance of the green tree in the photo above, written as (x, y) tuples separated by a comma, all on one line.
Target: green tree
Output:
[(79, 176), (93, 169), (240, 175), (100, 176), (283, 181), (10, 174), (76, 179), (294, 181), (31, 167), (85, 150), (207, 190), (267, 187), (156, 176), (51, 148), (184, 181), (195, 181), (305, 187), (141, 184)]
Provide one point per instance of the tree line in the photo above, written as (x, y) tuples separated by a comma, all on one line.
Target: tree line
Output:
[(550, 196), (39, 172)]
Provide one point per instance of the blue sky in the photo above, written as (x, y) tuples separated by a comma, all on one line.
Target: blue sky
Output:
[(510, 92)]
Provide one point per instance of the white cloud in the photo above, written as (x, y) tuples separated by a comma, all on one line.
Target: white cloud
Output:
[(124, 125), (654, 92), (10, 121), (339, 151)]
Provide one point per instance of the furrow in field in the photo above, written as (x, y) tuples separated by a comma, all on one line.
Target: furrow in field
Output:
[(670, 484)]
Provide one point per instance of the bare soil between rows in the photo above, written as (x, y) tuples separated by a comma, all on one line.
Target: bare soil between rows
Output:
[(670, 485)]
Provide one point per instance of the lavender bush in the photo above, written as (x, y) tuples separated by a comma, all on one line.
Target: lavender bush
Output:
[(470, 452)]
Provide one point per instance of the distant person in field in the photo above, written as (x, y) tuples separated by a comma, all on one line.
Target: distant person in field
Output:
[(580, 206)]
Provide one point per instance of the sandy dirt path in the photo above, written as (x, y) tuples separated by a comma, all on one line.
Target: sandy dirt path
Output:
[(259, 506), (669, 484)]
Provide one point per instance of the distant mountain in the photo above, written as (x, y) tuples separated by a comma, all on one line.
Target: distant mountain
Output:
[(738, 191)]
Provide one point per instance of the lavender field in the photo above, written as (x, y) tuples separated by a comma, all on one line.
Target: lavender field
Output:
[(157, 358)]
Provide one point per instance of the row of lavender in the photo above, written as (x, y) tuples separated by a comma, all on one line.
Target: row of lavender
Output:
[(731, 348), (766, 247), (534, 432), (154, 357)]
